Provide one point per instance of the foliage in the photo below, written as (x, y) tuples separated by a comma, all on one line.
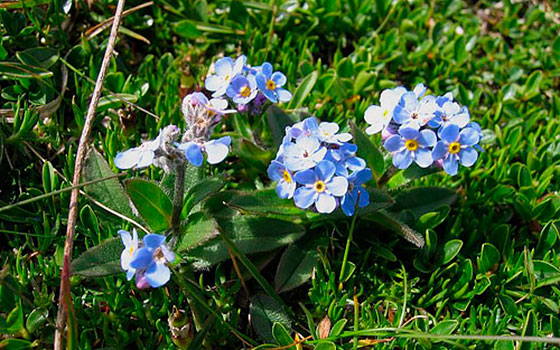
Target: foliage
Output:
[(489, 263)]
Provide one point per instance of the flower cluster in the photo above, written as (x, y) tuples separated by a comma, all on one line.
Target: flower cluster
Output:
[(424, 129), (165, 151), (317, 166), (148, 262), (244, 84)]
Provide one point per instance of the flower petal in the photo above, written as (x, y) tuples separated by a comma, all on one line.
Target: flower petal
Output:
[(403, 159), (153, 240), (224, 66), (214, 83), (193, 153), (409, 132), (325, 203), (216, 151), (275, 170), (146, 158), (305, 177), (468, 137), (468, 156), (324, 170), (266, 69), (127, 159), (142, 258), (279, 79), (158, 274), (348, 203), (451, 165), (394, 143), (285, 189), (304, 197), (423, 157), (337, 186), (440, 150), (126, 238), (449, 133), (283, 95), (427, 138)]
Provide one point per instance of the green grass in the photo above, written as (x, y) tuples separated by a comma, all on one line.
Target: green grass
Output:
[(490, 265)]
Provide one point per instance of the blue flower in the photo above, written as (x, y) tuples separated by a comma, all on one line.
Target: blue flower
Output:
[(286, 183), (305, 153), (216, 106), (478, 129), (456, 146), (355, 191), (216, 150), (449, 112), (320, 187), (130, 248), (344, 158), (414, 111), (380, 116), (151, 260), (242, 89), (139, 157), (226, 69), (270, 84), (411, 145)]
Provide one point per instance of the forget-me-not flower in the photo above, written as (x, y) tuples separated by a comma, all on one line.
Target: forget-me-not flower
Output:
[(151, 260), (216, 150), (270, 84), (320, 187), (456, 146), (286, 183), (139, 157), (380, 116), (216, 106), (226, 69), (411, 110), (130, 247), (411, 145), (449, 112), (305, 153), (242, 89), (356, 192)]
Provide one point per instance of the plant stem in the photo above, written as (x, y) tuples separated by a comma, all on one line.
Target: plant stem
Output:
[(65, 306), (347, 250), (179, 193)]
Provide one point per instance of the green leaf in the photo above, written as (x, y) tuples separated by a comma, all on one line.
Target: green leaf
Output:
[(508, 304), (263, 202), (15, 344), (201, 190), (152, 203), (445, 327), (278, 120), (304, 89), (338, 327), (423, 199), (532, 85), (530, 328), (265, 311), (198, 229), (20, 70), (325, 345), (451, 249), (36, 319), (250, 234), (109, 192), (43, 57), (348, 271), (101, 260), (504, 345), (489, 257), (294, 268), (345, 68), (403, 177), (367, 150), (282, 336), (14, 321)]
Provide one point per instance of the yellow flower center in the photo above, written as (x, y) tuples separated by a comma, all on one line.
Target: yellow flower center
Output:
[(209, 110), (411, 145), (131, 250), (286, 176), (245, 91), (270, 85), (385, 113), (454, 147), (320, 186)]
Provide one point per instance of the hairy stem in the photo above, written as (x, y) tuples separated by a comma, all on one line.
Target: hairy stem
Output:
[(179, 193)]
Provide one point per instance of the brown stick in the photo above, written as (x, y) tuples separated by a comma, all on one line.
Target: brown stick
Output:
[(65, 301)]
